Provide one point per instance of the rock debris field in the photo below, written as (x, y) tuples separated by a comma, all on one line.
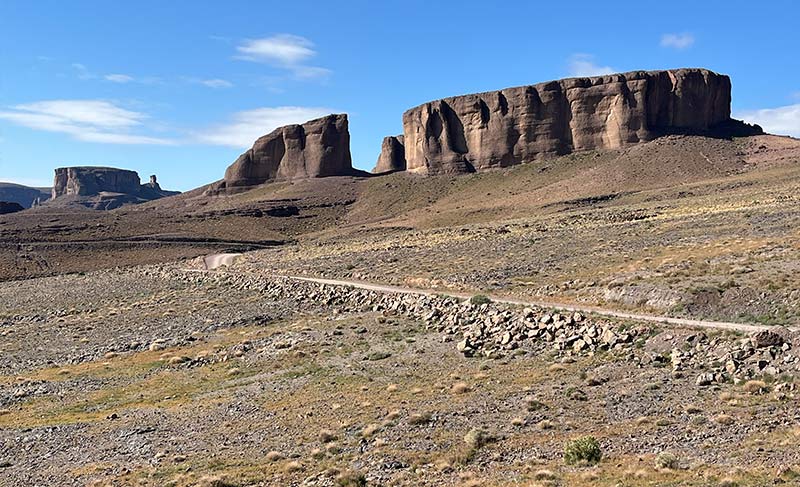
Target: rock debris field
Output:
[(159, 376)]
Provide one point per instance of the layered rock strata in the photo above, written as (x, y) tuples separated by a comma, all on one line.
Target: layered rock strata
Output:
[(517, 125), (317, 148)]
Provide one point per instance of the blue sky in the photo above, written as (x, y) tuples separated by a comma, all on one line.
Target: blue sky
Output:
[(181, 88)]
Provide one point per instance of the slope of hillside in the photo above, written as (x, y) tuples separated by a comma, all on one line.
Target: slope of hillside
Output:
[(24, 195)]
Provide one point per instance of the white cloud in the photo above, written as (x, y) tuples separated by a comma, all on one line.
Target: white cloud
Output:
[(118, 78), (246, 126), (677, 41), (781, 120), (581, 65), (216, 83), (310, 72), (281, 48), (285, 51), (85, 120)]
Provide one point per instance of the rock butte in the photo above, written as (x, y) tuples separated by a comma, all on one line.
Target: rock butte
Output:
[(517, 125), (89, 181), (316, 148), (392, 157), (113, 186), (504, 128)]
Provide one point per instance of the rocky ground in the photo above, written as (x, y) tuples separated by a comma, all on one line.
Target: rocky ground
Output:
[(161, 376), (129, 365)]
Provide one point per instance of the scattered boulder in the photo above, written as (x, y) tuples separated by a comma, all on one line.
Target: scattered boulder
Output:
[(766, 338)]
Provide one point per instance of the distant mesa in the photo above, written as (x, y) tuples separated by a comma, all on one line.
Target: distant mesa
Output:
[(393, 155), (103, 188), (517, 125), (25, 196), (317, 148), (7, 207)]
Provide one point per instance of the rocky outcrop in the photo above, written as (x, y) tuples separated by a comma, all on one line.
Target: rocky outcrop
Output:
[(393, 155), (317, 148), (517, 125), (7, 207), (103, 188), (90, 181)]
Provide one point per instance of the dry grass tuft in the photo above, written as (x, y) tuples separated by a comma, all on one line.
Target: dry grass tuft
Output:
[(274, 456), (293, 466), (755, 387), (724, 419)]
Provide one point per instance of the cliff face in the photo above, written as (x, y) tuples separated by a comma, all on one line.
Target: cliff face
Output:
[(518, 125), (393, 155), (103, 188), (89, 181), (316, 148)]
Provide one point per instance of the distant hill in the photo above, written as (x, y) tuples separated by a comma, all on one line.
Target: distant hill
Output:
[(24, 195)]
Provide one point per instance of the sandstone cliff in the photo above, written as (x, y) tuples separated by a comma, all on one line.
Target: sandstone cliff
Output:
[(517, 125), (88, 181), (392, 157), (316, 148), (102, 188)]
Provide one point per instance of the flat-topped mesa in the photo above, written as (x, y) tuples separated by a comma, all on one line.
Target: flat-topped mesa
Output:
[(317, 148), (102, 188), (392, 157), (517, 125), (90, 181)]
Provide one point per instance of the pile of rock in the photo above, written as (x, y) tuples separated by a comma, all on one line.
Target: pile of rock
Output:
[(764, 353), (488, 330), (493, 330)]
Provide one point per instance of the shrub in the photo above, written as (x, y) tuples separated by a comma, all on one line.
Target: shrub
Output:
[(755, 387), (667, 460), (480, 299), (351, 480), (582, 450)]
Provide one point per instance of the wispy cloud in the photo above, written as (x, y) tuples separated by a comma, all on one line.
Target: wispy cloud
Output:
[(82, 71), (783, 120), (284, 51), (246, 126), (118, 78), (580, 65), (212, 83), (677, 41), (86, 120)]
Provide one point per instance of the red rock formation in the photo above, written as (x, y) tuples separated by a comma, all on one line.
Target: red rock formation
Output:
[(518, 125), (88, 181), (316, 148), (393, 155)]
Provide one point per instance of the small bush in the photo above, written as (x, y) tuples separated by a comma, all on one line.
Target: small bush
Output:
[(480, 299), (582, 450), (755, 387), (576, 394), (351, 480), (419, 418), (667, 461)]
